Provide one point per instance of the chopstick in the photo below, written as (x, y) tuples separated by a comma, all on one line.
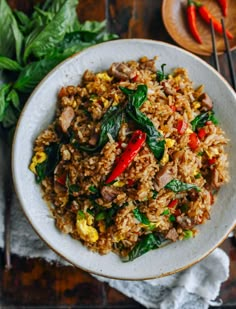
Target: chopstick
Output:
[(228, 52)]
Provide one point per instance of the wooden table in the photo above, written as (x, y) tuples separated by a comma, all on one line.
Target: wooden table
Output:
[(36, 283)]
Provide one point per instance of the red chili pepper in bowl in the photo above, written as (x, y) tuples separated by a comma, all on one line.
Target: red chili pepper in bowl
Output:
[(224, 6), (173, 203), (135, 144), (193, 141), (182, 126), (201, 133), (207, 16), (191, 16)]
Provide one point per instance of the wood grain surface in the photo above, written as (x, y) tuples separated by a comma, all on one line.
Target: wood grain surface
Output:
[(35, 283)]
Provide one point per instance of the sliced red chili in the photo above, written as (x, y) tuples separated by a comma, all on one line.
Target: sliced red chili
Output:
[(136, 142), (177, 212), (173, 203), (130, 182), (211, 161), (182, 126), (201, 133), (193, 141), (173, 107), (134, 79), (61, 179)]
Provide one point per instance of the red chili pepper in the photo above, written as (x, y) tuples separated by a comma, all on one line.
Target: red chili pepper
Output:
[(191, 16), (173, 107), (211, 161), (177, 212), (173, 203), (61, 179), (201, 133), (130, 182), (193, 141), (136, 142), (207, 16), (224, 6), (182, 126), (134, 79)]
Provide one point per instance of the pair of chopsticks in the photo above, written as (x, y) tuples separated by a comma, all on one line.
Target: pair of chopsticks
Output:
[(228, 52)]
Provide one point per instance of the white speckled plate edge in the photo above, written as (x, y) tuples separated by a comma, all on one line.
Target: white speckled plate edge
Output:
[(39, 111)]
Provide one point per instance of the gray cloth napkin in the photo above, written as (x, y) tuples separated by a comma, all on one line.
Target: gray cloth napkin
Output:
[(194, 288)]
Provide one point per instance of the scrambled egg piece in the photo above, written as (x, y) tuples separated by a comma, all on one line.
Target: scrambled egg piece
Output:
[(196, 104), (38, 158), (119, 184), (169, 143), (104, 76), (85, 231)]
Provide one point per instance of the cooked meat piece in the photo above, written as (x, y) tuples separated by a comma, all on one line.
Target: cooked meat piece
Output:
[(193, 195), (216, 179), (109, 193), (206, 102), (168, 89), (89, 76), (93, 140), (66, 117), (185, 222), (149, 64), (172, 234), (121, 71), (165, 175)]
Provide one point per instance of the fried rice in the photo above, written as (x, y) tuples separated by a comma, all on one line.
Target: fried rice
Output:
[(168, 187)]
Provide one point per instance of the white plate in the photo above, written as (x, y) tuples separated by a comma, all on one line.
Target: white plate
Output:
[(39, 112)]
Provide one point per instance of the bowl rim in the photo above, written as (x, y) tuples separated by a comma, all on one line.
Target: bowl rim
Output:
[(13, 165)]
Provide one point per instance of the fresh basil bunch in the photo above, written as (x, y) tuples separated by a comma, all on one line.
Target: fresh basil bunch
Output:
[(31, 46)]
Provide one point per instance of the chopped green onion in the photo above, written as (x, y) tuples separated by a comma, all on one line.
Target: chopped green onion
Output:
[(188, 234), (80, 215), (166, 212), (155, 193), (172, 218)]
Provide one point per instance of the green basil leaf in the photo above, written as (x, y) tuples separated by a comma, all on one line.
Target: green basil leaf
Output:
[(136, 97), (4, 103), (47, 167), (18, 39), (161, 73), (23, 20), (7, 41), (157, 146), (111, 123), (53, 32), (147, 243), (9, 64), (200, 120), (135, 100), (10, 117), (14, 98), (34, 72), (176, 186), (141, 217)]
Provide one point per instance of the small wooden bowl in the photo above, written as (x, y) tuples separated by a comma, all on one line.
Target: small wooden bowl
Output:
[(175, 21)]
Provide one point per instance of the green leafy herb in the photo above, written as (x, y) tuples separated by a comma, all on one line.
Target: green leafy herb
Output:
[(100, 216), (34, 72), (161, 73), (80, 215), (111, 123), (135, 100), (165, 212), (188, 234), (47, 167), (31, 46), (172, 218), (141, 217), (155, 193), (53, 32), (147, 243), (93, 189), (197, 176), (176, 186), (9, 64), (200, 120)]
